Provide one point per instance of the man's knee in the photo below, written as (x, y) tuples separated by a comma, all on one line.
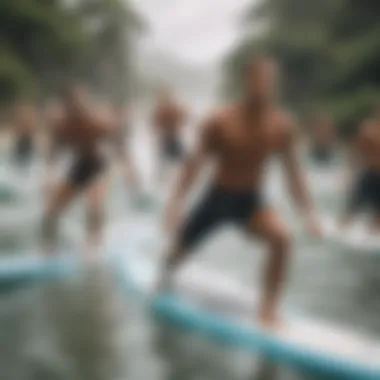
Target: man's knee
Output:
[(280, 239), (95, 218)]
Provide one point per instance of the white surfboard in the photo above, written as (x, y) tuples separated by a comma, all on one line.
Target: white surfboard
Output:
[(219, 307), (355, 237)]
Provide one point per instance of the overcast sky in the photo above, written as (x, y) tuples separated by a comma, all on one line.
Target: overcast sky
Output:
[(198, 31)]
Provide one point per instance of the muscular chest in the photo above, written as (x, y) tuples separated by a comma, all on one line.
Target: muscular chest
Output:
[(241, 144)]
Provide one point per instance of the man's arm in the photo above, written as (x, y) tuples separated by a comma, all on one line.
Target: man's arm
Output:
[(54, 142), (355, 160), (195, 160), (295, 178)]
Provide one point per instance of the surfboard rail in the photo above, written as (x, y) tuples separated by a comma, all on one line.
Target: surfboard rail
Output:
[(227, 331)]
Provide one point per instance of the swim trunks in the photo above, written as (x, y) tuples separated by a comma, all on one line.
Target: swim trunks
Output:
[(85, 170), (218, 207)]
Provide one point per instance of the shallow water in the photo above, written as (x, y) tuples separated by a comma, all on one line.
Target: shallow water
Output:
[(85, 328)]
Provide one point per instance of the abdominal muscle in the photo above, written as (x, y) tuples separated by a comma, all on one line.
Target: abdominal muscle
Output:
[(239, 179)]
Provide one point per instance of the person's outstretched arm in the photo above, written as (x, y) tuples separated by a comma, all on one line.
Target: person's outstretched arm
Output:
[(296, 178), (190, 170)]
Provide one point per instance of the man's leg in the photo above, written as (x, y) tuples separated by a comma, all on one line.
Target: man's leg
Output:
[(96, 194), (160, 165), (203, 220), (59, 198), (269, 226)]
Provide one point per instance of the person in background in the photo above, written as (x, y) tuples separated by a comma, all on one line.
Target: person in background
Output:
[(322, 140), (168, 121), (364, 194), (25, 123), (83, 128)]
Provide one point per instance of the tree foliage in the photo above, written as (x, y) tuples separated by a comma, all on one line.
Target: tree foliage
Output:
[(329, 51), (44, 41)]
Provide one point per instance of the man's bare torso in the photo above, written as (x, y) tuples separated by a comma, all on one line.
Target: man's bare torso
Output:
[(84, 132), (242, 149)]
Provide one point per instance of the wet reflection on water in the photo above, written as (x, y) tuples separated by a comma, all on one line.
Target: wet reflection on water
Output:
[(73, 329), (84, 328)]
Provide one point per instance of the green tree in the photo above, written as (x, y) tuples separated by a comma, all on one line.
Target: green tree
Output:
[(354, 86), (35, 36), (329, 51), (41, 41)]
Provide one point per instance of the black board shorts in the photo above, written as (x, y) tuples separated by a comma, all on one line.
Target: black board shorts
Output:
[(366, 193), (218, 207), (172, 149), (85, 170)]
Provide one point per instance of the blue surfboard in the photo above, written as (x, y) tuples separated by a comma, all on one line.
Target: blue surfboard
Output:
[(214, 305), (21, 270)]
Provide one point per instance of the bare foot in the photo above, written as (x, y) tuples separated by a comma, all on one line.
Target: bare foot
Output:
[(269, 320)]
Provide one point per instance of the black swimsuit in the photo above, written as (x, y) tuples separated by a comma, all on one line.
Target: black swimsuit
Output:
[(219, 207), (85, 169)]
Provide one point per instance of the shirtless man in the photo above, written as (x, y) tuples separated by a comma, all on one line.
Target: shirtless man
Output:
[(25, 123), (83, 129), (240, 139), (366, 158), (322, 140), (168, 120)]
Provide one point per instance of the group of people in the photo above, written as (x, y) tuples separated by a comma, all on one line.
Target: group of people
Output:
[(238, 139)]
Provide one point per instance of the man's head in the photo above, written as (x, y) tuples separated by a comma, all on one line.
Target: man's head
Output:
[(75, 96), (260, 79), (322, 120), (164, 95), (23, 109)]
